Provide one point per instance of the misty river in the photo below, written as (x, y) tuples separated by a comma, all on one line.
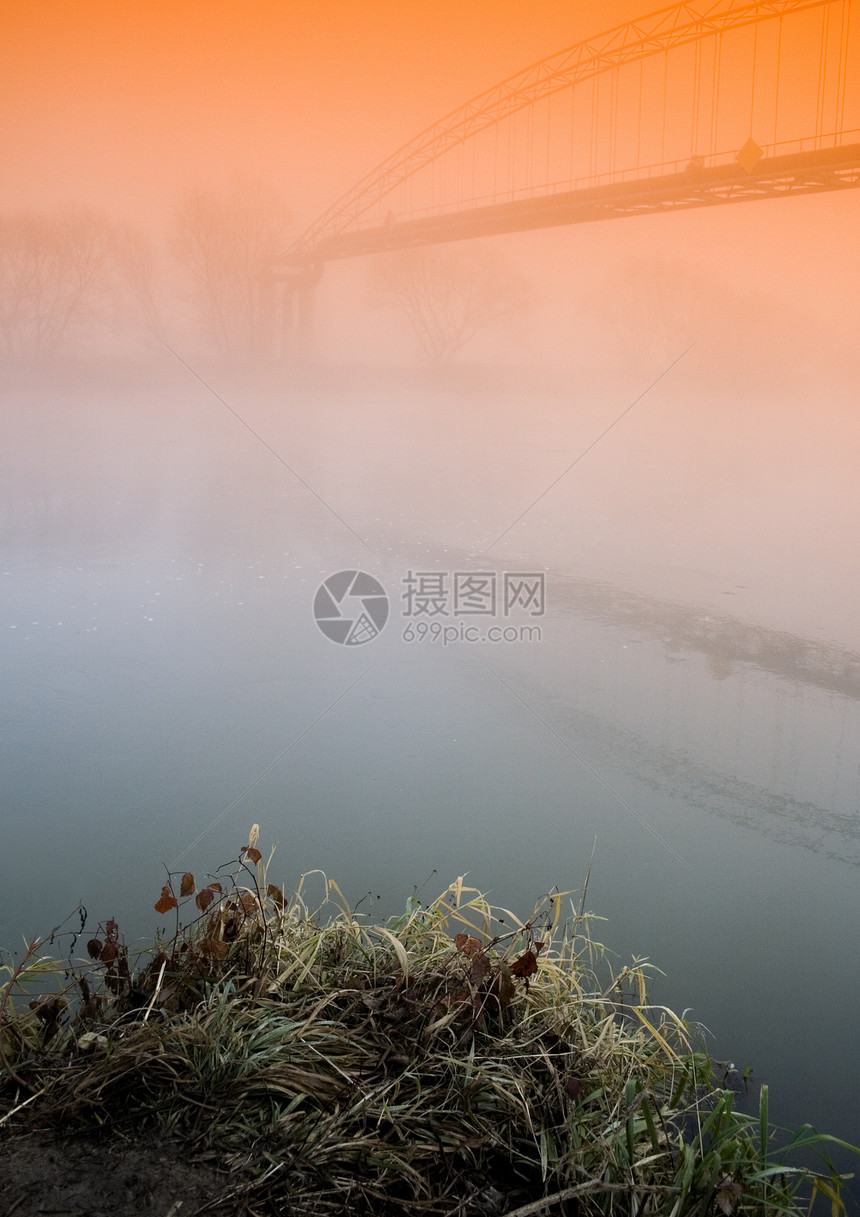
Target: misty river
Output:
[(672, 696)]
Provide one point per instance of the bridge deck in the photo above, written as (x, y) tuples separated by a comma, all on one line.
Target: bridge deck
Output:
[(699, 186)]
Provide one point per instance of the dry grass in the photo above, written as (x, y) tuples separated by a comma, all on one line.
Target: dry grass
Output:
[(454, 1061)]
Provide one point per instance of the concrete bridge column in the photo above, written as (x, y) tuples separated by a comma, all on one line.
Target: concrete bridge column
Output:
[(286, 296)]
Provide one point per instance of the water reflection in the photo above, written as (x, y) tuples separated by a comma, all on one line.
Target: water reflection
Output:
[(775, 748), (724, 639), (165, 685)]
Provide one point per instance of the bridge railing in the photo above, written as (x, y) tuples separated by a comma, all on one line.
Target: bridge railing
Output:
[(587, 181)]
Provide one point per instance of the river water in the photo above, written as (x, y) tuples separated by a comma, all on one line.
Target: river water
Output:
[(674, 702)]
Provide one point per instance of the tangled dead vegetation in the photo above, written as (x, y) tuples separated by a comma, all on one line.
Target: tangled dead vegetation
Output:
[(455, 1061)]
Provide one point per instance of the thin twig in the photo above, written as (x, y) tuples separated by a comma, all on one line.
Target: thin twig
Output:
[(155, 994), (15, 1110), (569, 1193)]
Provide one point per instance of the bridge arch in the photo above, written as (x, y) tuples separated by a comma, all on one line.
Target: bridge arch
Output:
[(708, 159), (658, 33)]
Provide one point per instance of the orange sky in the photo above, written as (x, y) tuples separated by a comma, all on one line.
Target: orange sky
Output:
[(122, 104)]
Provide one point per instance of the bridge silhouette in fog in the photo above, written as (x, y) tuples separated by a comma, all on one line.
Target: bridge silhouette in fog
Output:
[(692, 106), (771, 747)]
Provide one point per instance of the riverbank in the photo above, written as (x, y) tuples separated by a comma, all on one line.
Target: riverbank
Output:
[(266, 1057)]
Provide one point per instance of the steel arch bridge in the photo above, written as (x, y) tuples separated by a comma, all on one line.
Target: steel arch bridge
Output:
[(690, 106)]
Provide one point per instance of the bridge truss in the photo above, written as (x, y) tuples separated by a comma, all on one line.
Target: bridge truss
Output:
[(692, 105)]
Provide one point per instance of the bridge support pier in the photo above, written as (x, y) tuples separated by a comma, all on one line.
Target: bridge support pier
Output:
[(286, 295)]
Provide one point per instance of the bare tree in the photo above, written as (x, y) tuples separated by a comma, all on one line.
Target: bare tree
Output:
[(137, 279), (655, 307), (221, 239), (449, 294), (55, 273)]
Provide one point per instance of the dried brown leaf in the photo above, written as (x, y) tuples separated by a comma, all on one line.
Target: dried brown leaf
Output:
[(164, 904), (205, 897), (730, 1188), (480, 969), (276, 896), (213, 948), (503, 987), (526, 965), (187, 884)]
